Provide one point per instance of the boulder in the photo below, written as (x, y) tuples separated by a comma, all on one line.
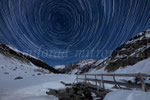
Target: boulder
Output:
[(18, 78)]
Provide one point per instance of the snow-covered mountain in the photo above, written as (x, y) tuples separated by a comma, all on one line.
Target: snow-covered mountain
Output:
[(15, 62), (23, 77), (130, 53), (15, 68), (135, 50), (81, 67)]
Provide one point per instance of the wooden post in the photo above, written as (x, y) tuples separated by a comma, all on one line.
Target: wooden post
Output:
[(96, 80), (116, 83), (100, 84), (102, 81), (77, 78), (85, 78), (142, 83)]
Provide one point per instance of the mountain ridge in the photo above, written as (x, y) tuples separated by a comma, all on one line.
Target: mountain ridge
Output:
[(6, 50), (131, 52)]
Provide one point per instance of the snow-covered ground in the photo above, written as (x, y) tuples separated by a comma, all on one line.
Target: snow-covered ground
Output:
[(33, 88), (35, 82), (127, 95)]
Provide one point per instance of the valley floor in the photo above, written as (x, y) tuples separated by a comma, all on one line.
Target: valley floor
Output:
[(32, 88), (35, 87)]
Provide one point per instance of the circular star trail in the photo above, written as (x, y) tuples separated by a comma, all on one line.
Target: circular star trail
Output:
[(64, 31)]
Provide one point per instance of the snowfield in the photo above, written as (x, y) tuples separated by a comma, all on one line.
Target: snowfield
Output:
[(127, 95), (33, 88), (34, 83)]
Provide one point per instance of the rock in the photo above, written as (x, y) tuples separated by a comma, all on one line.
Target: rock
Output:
[(76, 92), (77, 97), (71, 91), (19, 77), (38, 73), (52, 92), (64, 96), (80, 92), (76, 88), (6, 73), (62, 91), (87, 94)]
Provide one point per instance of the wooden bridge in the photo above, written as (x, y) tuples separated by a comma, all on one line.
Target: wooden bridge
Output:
[(98, 81)]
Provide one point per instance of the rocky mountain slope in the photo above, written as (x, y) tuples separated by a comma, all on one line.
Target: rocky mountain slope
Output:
[(128, 54), (8, 56), (81, 67), (18, 69)]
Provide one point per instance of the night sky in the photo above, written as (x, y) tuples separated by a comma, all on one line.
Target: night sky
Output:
[(64, 31)]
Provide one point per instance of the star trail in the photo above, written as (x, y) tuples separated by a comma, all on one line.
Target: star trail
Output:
[(65, 31)]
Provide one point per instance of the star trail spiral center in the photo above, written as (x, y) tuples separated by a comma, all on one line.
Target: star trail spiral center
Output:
[(60, 21)]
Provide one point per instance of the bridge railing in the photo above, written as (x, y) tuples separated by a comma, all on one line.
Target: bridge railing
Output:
[(100, 82)]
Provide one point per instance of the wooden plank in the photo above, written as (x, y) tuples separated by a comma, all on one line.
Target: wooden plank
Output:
[(111, 82), (66, 84), (91, 85), (123, 75), (128, 85)]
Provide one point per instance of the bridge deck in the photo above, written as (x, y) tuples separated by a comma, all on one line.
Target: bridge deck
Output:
[(100, 83)]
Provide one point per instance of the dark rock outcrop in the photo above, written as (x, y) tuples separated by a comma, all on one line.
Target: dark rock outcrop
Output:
[(135, 50), (18, 78), (76, 92)]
